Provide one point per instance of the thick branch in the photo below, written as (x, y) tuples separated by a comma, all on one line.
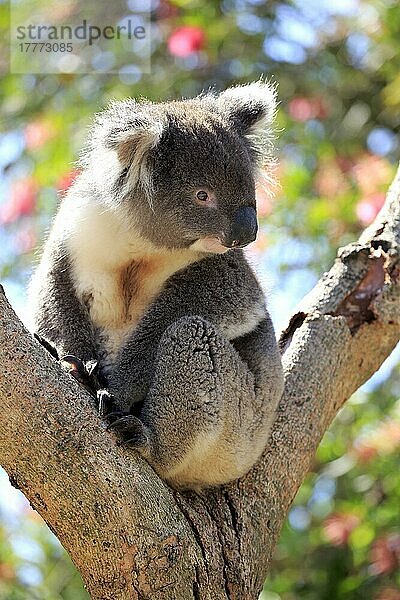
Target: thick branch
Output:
[(128, 533)]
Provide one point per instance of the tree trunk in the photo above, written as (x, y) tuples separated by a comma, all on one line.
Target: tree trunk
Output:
[(131, 536)]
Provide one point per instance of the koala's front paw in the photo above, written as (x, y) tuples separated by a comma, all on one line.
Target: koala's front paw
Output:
[(131, 430), (84, 372)]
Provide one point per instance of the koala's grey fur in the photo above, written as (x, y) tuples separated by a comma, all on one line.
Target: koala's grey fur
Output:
[(129, 277)]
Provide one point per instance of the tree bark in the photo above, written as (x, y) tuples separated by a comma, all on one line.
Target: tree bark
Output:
[(131, 536)]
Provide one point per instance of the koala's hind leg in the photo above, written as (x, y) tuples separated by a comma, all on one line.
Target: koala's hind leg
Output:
[(203, 421)]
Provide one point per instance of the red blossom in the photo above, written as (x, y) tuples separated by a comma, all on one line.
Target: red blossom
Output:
[(66, 180), (303, 109), (368, 207), (21, 201), (371, 173), (36, 134), (385, 554), (345, 163), (338, 527), (7, 572), (329, 180), (364, 452), (166, 10), (384, 439), (186, 40)]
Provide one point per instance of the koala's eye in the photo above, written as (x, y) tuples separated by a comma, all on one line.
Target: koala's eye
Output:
[(206, 198), (202, 196)]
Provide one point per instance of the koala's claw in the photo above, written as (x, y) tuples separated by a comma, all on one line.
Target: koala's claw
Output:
[(123, 423), (86, 373), (46, 344), (76, 367), (106, 402), (133, 431), (114, 416)]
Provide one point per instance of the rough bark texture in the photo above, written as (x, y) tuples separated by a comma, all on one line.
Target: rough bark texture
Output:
[(129, 535)]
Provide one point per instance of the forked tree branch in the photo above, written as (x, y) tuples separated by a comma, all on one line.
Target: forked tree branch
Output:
[(132, 537)]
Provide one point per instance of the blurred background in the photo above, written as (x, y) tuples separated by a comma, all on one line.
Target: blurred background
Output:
[(337, 64)]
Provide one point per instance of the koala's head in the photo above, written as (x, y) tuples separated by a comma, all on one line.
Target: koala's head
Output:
[(184, 172)]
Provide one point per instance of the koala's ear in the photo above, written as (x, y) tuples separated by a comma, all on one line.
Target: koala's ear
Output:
[(131, 130), (251, 110), (133, 145), (133, 142)]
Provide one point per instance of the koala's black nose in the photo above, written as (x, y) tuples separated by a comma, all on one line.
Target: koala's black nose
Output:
[(243, 228)]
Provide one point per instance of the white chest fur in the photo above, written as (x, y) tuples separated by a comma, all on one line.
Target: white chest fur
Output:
[(116, 273)]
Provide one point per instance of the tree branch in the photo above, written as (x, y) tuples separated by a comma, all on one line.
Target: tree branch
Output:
[(127, 532)]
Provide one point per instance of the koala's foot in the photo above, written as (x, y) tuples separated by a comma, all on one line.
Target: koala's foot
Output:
[(132, 432), (86, 373)]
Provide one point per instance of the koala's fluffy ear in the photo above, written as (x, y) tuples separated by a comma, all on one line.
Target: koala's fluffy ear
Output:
[(134, 141), (133, 146), (251, 110), (132, 132), (133, 151)]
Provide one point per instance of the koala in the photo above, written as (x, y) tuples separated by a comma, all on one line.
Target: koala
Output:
[(143, 272)]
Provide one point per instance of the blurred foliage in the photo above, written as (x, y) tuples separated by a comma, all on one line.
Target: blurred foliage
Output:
[(337, 65), (342, 537), (33, 565)]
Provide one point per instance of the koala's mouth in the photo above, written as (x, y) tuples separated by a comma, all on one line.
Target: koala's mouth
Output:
[(210, 244)]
